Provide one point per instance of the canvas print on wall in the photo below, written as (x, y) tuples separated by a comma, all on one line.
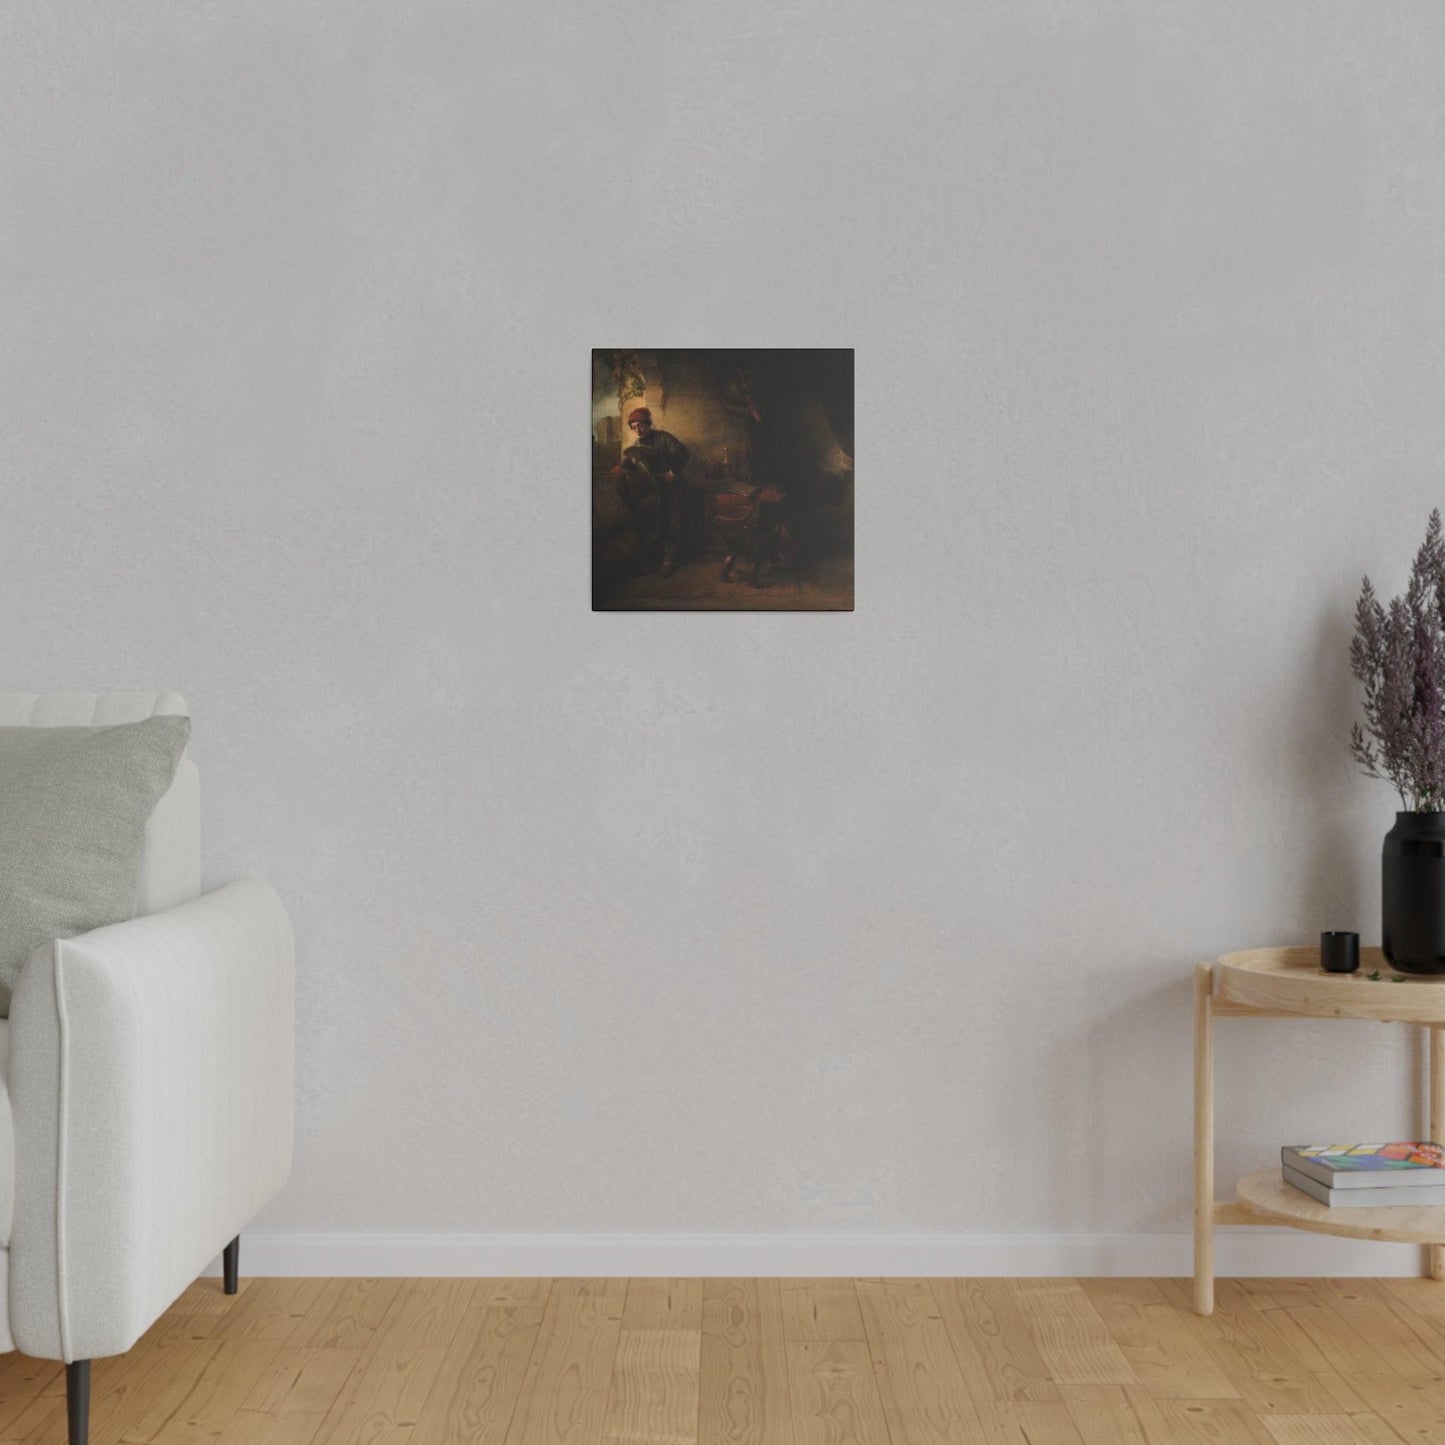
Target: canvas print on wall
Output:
[(722, 480)]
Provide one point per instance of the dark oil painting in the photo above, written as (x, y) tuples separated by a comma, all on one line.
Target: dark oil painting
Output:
[(722, 480)]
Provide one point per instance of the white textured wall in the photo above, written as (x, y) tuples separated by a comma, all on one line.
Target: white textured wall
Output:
[(614, 922)]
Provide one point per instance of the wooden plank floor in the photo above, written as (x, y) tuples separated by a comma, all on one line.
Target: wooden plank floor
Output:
[(765, 1362)]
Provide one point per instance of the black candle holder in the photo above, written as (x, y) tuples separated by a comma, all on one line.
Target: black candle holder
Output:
[(1340, 952)]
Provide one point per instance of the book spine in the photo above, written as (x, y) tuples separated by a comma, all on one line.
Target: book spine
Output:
[(1291, 1160), (1306, 1185), (1364, 1198)]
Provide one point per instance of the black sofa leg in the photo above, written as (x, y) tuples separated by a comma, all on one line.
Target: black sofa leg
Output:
[(231, 1264), (77, 1400), (77, 1374)]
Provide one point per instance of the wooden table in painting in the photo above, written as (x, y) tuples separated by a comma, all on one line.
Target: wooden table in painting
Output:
[(1289, 983)]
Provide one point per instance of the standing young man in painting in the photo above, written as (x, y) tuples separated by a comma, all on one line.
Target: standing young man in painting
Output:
[(655, 462)]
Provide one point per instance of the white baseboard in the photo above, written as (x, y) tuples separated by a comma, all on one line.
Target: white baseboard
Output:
[(1240, 1252)]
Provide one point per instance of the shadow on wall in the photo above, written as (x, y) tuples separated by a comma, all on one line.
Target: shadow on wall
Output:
[(1334, 847), (1125, 1063), (1333, 844)]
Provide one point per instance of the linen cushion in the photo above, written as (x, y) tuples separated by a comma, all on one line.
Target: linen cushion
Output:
[(74, 802), (7, 1140), (171, 873)]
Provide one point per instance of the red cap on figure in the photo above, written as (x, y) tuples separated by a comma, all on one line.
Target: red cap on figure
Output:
[(638, 412)]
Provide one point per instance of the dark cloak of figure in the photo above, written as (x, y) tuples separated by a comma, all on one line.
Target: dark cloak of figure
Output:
[(651, 487)]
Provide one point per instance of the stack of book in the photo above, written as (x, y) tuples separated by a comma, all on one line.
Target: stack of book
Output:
[(1365, 1176)]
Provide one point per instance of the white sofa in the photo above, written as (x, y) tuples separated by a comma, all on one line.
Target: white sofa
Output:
[(147, 1110)]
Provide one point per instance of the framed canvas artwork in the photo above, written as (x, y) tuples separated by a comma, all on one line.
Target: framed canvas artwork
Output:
[(722, 480)]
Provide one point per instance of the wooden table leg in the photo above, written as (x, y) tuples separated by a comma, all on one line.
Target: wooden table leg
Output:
[(1437, 1123), (1204, 1139)]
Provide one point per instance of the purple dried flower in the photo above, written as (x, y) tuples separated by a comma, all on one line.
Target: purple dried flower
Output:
[(1398, 654)]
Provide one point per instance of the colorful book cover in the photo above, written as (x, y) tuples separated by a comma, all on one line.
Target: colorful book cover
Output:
[(1368, 1158)]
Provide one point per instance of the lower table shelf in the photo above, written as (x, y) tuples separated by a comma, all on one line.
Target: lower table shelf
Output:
[(1267, 1195), (1288, 982)]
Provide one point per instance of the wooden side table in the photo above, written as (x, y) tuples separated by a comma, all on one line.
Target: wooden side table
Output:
[(1289, 983)]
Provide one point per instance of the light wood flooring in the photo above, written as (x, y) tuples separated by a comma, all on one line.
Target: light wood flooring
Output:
[(765, 1362)]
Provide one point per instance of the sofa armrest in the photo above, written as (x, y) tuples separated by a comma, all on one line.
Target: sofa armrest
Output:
[(151, 1086)]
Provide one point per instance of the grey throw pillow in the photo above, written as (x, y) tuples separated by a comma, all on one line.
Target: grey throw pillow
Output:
[(74, 803)]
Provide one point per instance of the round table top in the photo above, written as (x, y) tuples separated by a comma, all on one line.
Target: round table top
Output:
[(1291, 981)]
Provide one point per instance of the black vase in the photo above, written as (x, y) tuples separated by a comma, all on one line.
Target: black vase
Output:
[(1413, 894)]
